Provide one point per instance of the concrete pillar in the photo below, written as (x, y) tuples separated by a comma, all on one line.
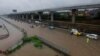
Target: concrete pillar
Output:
[(40, 18), (16, 16), (32, 16), (22, 16), (73, 19), (74, 12), (52, 20), (52, 17), (26, 17)]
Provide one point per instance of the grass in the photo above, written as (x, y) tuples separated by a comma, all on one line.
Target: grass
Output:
[(33, 39), (13, 50), (37, 42)]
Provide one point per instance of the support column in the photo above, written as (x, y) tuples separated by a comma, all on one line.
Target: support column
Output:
[(22, 17), (74, 12), (40, 18), (52, 20), (73, 19), (32, 20), (32, 16), (52, 17), (16, 16), (26, 17)]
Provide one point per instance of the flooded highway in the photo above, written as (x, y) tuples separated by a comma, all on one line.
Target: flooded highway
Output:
[(49, 28), (76, 45), (27, 49), (14, 36)]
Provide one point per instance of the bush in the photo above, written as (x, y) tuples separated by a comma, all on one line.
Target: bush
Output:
[(37, 42), (26, 39), (34, 39)]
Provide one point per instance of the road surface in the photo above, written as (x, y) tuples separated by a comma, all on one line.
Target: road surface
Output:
[(26, 50), (14, 37), (77, 46)]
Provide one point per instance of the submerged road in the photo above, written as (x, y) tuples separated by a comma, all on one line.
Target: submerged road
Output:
[(14, 36), (77, 46)]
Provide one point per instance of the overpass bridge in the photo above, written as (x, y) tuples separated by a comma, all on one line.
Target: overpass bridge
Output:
[(63, 39), (31, 16)]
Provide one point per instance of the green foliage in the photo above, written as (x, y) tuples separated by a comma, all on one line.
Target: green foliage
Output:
[(11, 51), (26, 39), (34, 39), (37, 42)]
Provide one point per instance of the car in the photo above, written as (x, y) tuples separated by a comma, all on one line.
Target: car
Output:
[(92, 36)]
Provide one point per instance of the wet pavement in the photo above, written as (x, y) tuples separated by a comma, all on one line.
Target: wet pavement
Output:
[(30, 50), (76, 46), (3, 30), (14, 36), (26, 50)]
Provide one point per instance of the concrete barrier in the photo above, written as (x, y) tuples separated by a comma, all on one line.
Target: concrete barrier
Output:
[(54, 46)]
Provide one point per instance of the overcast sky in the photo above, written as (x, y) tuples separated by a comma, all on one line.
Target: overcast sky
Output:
[(6, 6)]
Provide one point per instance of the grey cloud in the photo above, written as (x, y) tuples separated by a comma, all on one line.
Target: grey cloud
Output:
[(6, 6)]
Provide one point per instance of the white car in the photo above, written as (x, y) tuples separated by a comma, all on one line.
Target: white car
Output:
[(92, 36), (37, 22)]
